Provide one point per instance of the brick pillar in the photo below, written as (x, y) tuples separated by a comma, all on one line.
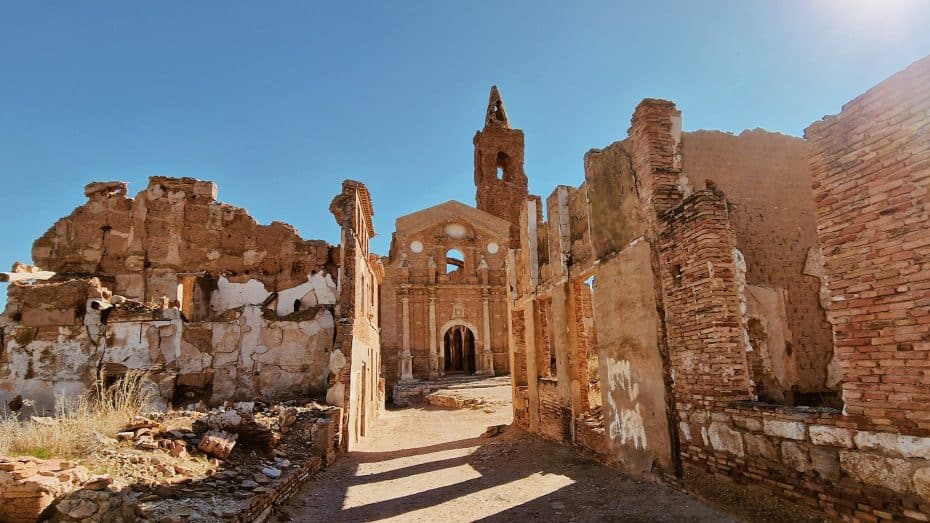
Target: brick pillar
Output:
[(702, 303), (655, 134)]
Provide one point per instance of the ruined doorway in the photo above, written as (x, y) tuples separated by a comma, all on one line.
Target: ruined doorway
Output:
[(459, 350)]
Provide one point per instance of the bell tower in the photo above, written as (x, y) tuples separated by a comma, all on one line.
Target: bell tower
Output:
[(501, 184)]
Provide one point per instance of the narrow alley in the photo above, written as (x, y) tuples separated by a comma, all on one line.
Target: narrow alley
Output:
[(433, 463)]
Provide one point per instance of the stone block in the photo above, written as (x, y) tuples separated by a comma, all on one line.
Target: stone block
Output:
[(890, 473), (794, 456), (831, 436), (748, 423), (894, 444), (700, 417), (826, 462), (760, 446), (921, 480), (784, 429), (723, 437)]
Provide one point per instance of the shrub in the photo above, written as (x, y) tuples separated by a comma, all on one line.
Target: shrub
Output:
[(77, 426)]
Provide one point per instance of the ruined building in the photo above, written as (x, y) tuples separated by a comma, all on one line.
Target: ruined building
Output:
[(213, 305), (704, 309), (753, 307), (444, 300)]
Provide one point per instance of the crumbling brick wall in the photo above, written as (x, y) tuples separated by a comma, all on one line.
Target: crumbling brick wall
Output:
[(501, 183), (175, 225), (213, 306), (551, 415), (651, 210), (354, 364), (871, 169), (767, 183), (702, 307), (584, 359), (545, 355)]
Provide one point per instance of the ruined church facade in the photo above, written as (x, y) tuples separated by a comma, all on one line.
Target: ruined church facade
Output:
[(444, 297)]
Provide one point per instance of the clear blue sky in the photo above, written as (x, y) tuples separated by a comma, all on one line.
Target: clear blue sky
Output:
[(279, 101)]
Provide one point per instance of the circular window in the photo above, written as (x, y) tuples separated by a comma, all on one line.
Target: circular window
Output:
[(493, 247), (416, 246)]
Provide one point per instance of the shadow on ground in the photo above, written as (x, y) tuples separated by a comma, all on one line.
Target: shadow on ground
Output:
[(511, 477)]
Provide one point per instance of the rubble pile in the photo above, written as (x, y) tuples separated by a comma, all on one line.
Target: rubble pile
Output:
[(455, 401), (222, 465), (257, 450)]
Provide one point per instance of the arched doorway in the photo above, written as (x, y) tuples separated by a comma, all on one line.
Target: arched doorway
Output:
[(459, 350)]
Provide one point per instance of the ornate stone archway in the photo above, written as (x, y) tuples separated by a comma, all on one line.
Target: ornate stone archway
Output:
[(449, 325), (483, 358)]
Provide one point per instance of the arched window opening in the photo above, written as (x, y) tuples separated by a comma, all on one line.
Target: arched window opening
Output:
[(503, 166), (455, 261), (498, 112)]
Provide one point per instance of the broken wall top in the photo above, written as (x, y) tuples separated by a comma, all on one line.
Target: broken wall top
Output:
[(174, 225), (366, 208)]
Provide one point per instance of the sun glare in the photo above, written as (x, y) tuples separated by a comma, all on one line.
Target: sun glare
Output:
[(883, 19)]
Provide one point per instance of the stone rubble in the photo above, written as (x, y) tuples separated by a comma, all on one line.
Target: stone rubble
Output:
[(161, 462)]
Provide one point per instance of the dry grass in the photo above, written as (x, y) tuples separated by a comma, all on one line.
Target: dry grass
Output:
[(76, 427)]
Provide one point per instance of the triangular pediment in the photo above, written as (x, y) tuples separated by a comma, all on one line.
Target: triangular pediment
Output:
[(452, 211)]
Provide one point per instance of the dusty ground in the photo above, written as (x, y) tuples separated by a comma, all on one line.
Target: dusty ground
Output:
[(430, 464)]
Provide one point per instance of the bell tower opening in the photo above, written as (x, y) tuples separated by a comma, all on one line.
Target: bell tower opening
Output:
[(503, 166)]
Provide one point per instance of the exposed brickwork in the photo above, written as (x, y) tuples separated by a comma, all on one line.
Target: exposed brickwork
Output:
[(502, 187), (584, 361), (521, 408), (552, 419), (591, 437), (871, 170), (701, 301), (766, 179), (545, 356), (655, 137), (517, 329)]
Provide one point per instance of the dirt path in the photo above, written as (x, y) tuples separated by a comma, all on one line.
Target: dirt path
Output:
[(430, 464)]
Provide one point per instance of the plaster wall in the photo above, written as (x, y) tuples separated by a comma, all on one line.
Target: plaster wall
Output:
[(630, 362)]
